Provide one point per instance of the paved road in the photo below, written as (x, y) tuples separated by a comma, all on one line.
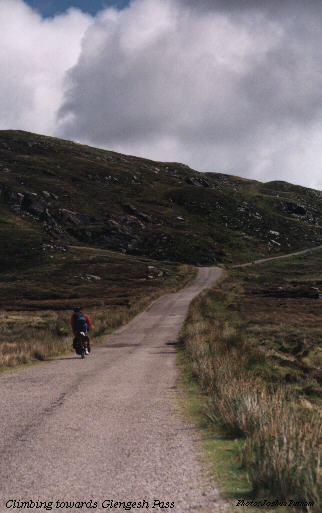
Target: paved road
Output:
[(107, 427), (262, 260)]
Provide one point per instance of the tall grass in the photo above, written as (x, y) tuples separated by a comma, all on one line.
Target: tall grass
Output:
[(282, 441), (40, 335)]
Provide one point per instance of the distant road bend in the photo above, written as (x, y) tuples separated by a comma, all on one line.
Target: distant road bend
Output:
[(263, 260), (107, 428)]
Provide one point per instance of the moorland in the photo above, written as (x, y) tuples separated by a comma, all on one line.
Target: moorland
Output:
[(112, 232)]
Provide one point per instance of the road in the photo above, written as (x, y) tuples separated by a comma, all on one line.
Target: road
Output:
[(262, 260), (106, 428)]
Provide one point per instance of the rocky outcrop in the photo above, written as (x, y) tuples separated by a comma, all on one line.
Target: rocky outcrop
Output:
[(71, 218), (302, 212), (199, 181), (128, 207), (295, 208), (13, 199), (33, 204), (53, 228), (121, 232)]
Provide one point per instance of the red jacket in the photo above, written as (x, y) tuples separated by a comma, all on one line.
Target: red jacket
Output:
[(88, 320)]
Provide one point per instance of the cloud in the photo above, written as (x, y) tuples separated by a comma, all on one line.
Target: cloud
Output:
[(268, 5), (35, 55), (203, 86), (222, 86)]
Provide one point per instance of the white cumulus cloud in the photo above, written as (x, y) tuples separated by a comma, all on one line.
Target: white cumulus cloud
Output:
[(35, 55)]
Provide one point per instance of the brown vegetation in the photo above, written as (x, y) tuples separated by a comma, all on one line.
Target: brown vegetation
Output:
[(259, 391), (37, 329)]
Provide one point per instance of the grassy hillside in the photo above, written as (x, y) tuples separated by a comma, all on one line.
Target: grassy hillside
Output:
[(278, 305), (62, 193)]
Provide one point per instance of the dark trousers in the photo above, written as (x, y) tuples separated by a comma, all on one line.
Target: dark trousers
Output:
[(75, 340)]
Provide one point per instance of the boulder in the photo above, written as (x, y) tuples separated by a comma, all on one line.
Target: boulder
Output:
[(295, 208), (128, 207), (198, 181), (13, 199), (71, 217), (32, 204)]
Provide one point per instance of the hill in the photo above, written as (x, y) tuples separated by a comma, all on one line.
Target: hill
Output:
[(58, 193)]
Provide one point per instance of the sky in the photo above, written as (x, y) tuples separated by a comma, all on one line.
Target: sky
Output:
[(230, 86), (50, 8)]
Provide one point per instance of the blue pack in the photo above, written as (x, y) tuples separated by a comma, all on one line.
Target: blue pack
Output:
[(80, 323)]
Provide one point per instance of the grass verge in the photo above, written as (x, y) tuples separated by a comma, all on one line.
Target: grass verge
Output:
[(274, 431), (220, 452)]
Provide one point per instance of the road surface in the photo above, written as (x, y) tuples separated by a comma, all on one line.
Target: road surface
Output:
[(106, 428), (262, 260)]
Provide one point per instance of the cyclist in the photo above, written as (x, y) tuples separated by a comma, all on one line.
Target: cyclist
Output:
[(81, 323)]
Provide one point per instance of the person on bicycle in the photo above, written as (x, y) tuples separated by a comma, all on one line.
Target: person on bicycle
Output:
[(81, 323)]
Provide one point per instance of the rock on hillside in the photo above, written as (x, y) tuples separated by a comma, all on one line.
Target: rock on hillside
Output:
[(69, 193)]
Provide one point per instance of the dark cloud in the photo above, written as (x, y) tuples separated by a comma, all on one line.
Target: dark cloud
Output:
[(272, 6)]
